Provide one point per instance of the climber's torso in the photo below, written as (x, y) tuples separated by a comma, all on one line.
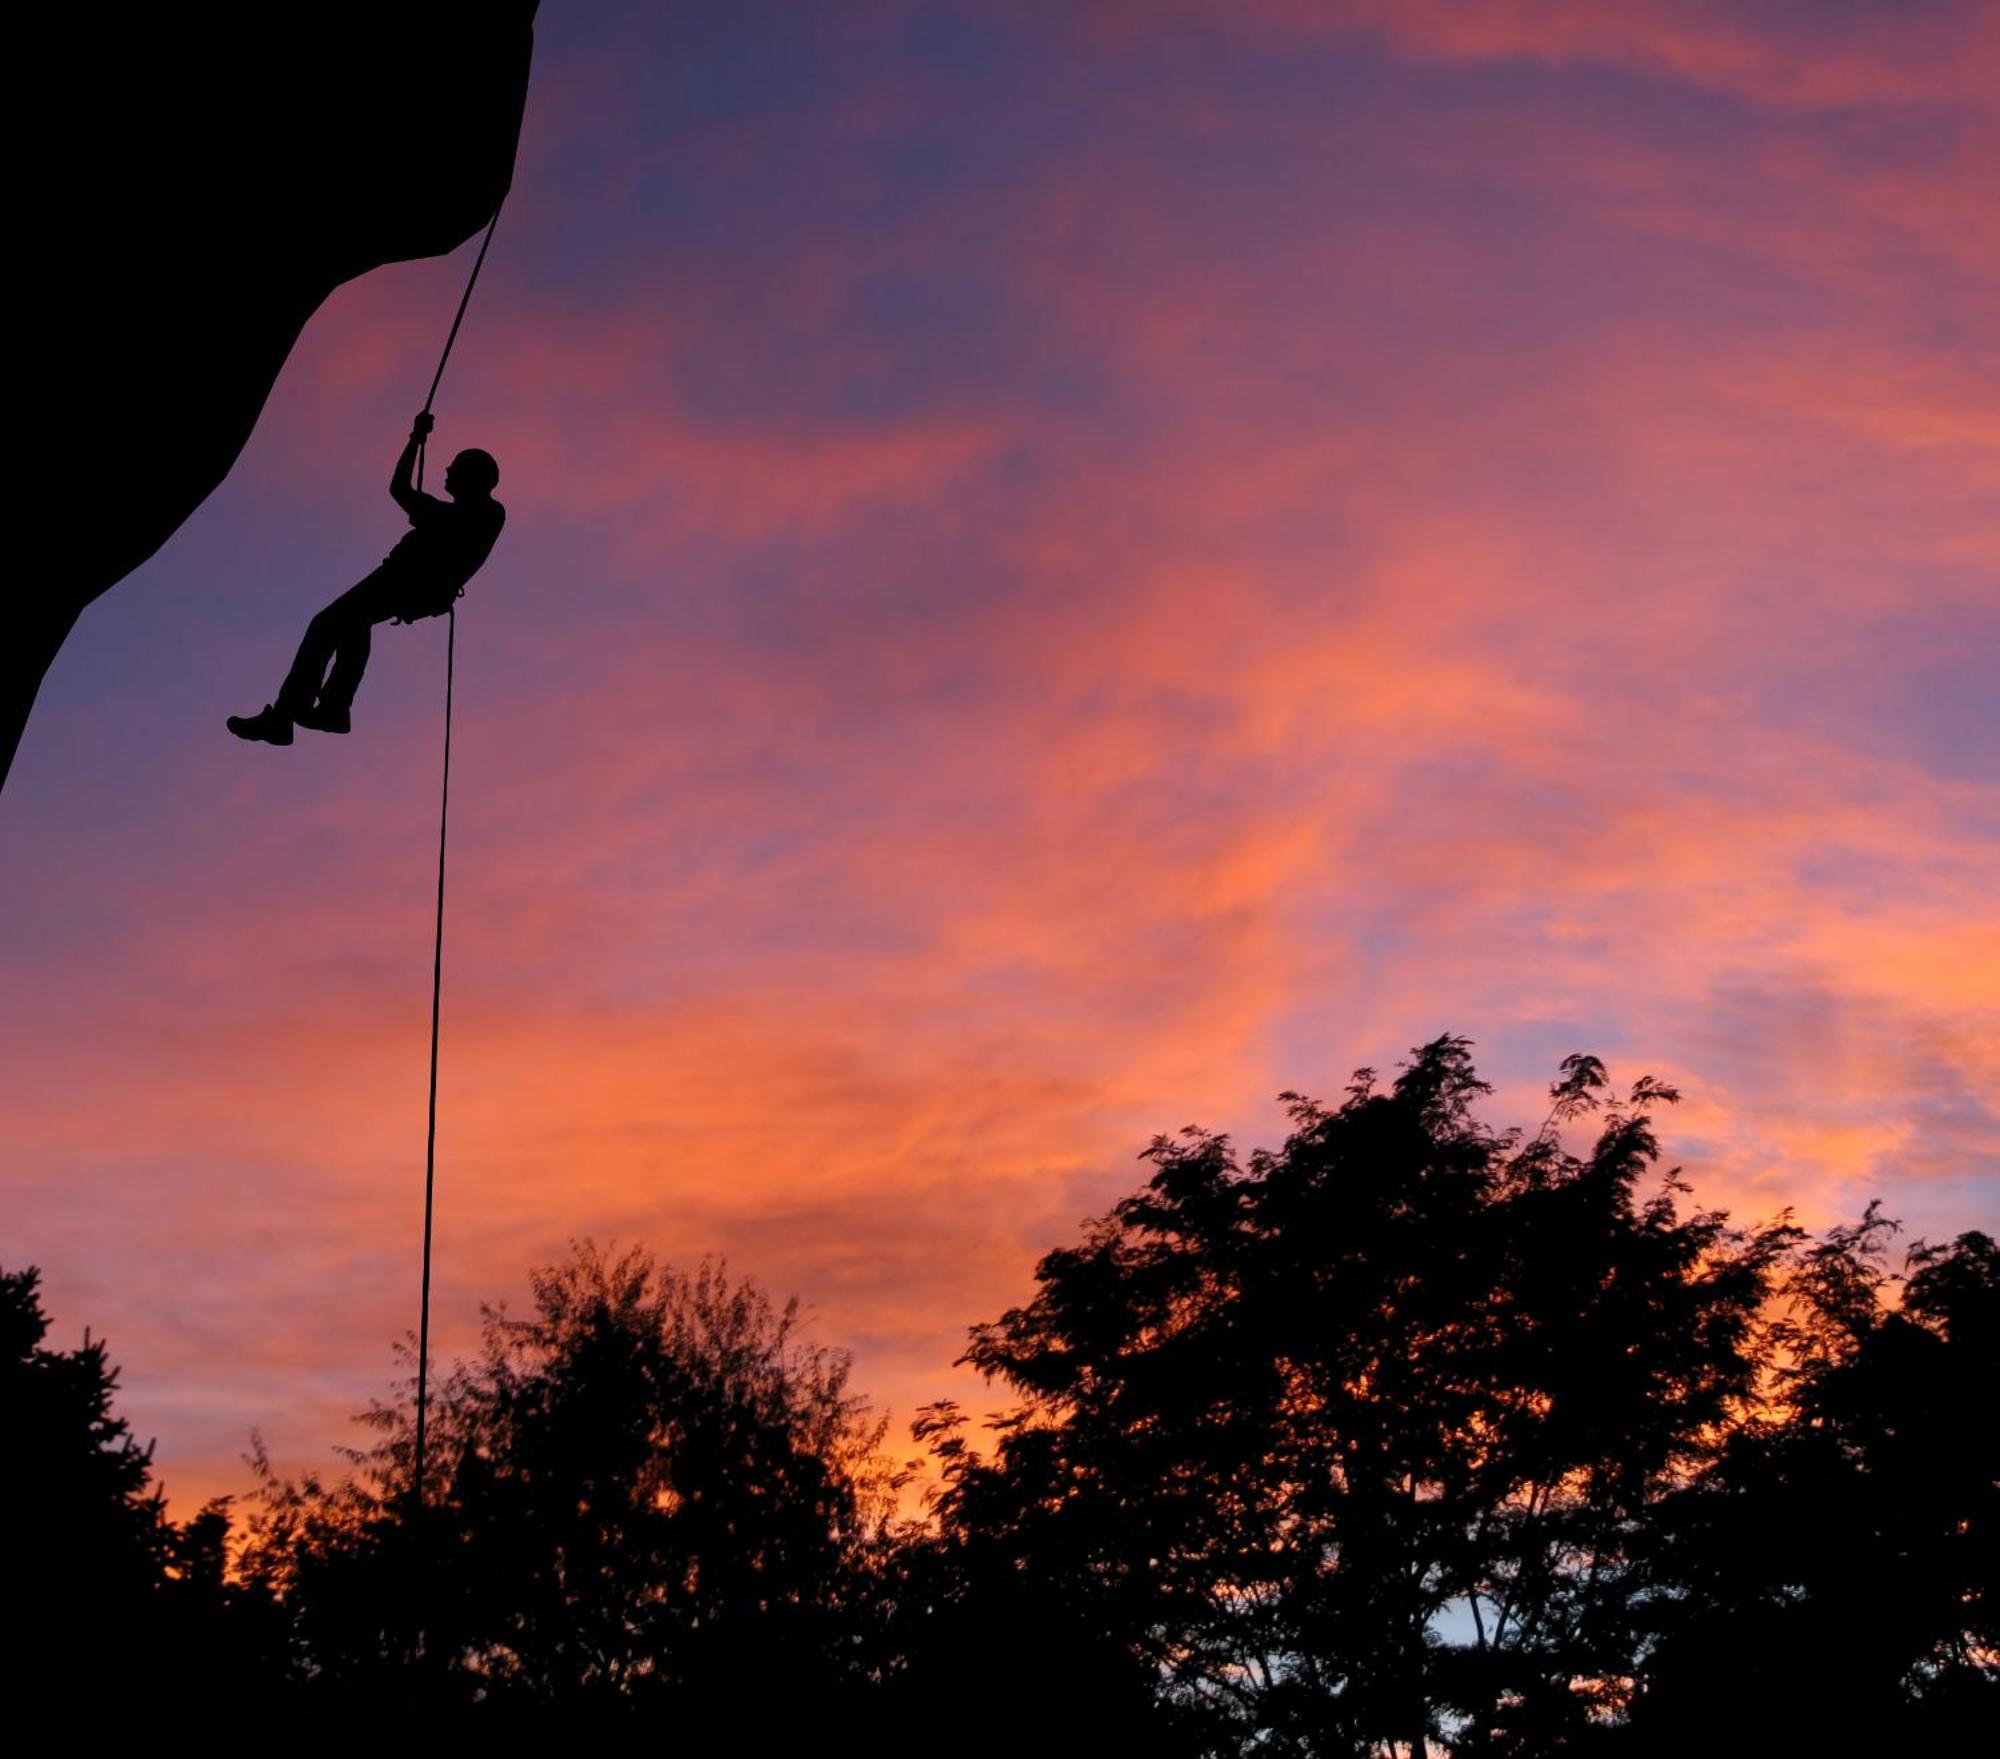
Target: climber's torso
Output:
[(447, 543)]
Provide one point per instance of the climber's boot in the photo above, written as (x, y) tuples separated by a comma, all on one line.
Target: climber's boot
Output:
[(272, 726), (322, 719)]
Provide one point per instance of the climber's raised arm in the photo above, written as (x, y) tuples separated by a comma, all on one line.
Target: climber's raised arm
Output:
[(402, 485)]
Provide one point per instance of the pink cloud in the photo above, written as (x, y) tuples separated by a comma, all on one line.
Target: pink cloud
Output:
[(1315, 615), (1794, 56)]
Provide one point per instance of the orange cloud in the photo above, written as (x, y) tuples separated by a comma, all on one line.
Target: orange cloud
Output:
[(974, 679)]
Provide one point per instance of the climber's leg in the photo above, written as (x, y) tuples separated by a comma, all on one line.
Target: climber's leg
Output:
[(340, 634), (352, 645), (310, 696)]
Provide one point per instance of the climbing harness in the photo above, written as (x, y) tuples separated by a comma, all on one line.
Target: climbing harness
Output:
[(437, 945)]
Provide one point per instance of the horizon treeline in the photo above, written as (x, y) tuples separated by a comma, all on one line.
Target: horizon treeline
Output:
[(1408, 1437)]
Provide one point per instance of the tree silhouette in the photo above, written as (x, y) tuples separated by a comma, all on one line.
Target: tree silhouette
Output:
[(1349, 1444), (650, 1495), (1408, 1437), (1852, 1534), (99, 1585), (981, 1634)]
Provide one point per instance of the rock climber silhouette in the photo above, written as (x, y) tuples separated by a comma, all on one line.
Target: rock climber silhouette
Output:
[(421, 577)]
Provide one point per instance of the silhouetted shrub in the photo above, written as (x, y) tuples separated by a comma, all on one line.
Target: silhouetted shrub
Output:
[(650, 1495)]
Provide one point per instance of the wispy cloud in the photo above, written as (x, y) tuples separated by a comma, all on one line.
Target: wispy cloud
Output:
[(1066, 572)]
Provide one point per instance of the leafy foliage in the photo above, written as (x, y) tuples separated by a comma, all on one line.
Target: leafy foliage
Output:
[(1355, 1445), (647, 1493), (1410, 1436), (1852, 1533), (90, 1562)]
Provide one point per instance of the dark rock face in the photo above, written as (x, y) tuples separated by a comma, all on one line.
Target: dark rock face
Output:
[(198, 179)]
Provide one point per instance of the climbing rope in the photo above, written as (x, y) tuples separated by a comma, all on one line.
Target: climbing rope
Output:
[(431, 1128), (464, 299), (437, 945)]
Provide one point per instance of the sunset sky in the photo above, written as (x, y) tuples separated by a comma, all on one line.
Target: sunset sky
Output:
[(1070, 566)]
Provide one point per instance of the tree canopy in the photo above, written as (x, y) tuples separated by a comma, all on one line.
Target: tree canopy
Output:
[(1368, 1444), (1409, 1436), (90, 1566), (649, 1492)]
